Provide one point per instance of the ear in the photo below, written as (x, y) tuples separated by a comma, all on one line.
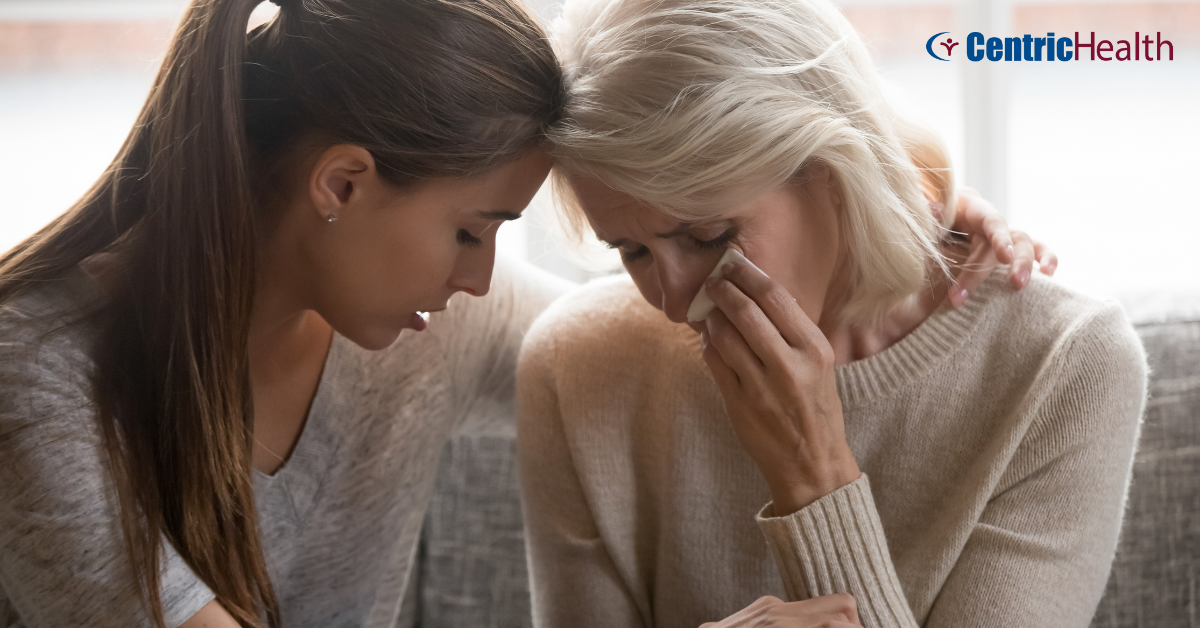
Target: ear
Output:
[(818, 177), (342, 176)]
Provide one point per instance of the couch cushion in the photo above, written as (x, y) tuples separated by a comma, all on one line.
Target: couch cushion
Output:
[(1155, 581), (470, 570)]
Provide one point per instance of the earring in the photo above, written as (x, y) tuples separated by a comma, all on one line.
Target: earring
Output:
[(331, 218)]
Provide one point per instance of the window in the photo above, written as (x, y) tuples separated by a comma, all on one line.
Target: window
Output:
[(1092, 157)]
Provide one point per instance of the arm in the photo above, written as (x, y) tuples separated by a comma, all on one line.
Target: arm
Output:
[(573, 580), (1045, 542), (62, 553), (1042, 548)]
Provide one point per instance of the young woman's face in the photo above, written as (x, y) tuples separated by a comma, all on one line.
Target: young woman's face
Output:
[(391, 253), (790, 232)]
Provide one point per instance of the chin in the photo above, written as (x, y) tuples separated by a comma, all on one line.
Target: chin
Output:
[(374, 338)]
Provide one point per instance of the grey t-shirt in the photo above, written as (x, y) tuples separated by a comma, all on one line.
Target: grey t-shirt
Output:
[(339, 520)]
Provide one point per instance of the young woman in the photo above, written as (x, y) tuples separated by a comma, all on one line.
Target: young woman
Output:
[(342, 168), (997, 437), (227, 299)]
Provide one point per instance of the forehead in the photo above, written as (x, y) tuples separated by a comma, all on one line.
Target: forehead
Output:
[(508, 187), (614, 214)]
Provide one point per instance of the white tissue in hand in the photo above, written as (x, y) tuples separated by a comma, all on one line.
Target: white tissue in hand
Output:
[(702, 306)]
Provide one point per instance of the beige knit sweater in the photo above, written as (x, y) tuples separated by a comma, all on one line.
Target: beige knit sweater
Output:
[(998, 440)]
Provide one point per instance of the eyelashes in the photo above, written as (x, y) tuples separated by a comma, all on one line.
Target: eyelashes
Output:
[(718, 242), (633, 256), (465, 238)]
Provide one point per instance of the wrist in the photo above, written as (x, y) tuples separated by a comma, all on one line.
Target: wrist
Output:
[(792, 497)]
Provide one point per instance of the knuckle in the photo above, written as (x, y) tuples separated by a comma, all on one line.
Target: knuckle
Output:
[(778, 296), (768, 600), (743, 309), (824, 356)]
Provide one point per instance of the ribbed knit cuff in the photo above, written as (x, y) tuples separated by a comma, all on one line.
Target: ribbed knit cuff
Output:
[(836, 545)]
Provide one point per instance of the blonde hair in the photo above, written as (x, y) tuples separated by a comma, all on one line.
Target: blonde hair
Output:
[(679, 103)]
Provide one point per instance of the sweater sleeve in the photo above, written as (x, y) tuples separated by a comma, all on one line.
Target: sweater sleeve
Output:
[(1041, 550), (836, 545), (574, 582), (487, 337), (62, 552)]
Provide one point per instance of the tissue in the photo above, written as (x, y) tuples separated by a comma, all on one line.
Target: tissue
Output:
[(702, 306)]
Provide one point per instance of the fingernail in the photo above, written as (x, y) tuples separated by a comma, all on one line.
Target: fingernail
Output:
[(1024, 278), (704, 339), (726, 269), (958, 296), (711, 281), (1011, 252)]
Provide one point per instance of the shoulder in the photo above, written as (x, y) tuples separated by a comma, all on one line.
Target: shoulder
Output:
[(49, 438), (1062, 321), (45, 377), (1081, 351), (46, 341), (603, 322)]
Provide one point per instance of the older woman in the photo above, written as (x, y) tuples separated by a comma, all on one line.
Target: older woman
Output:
[(945, 466)]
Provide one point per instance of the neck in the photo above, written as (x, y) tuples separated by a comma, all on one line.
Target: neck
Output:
[(284, 330), (855, 342)]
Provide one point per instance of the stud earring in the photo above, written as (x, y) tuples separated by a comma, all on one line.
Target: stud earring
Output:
[(331, 218)]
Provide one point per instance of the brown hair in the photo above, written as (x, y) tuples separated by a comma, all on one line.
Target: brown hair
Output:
[(432, 88)]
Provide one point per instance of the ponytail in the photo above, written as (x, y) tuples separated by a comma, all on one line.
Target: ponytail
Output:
[(172, 378)]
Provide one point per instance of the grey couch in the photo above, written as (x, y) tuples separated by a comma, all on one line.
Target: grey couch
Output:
[(471, 573)]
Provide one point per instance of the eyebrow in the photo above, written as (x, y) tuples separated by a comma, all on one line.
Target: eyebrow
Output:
[(677, 231), (499, 215)]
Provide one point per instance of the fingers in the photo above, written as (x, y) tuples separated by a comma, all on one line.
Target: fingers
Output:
[(829, 611), (975, 215), (834, 611), (841, 606), (728, 355), (1047, 260), (973, 271), (773, 300), (1022, 264), (762, 335)]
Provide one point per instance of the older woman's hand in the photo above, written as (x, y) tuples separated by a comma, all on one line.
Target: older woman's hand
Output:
[(829, 611), (775, 371), (991, 243)]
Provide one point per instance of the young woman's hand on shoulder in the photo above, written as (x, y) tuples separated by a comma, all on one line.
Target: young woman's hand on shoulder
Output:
[(991, 242)]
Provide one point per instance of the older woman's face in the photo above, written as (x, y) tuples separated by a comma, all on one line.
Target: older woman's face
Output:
[(790, 232)]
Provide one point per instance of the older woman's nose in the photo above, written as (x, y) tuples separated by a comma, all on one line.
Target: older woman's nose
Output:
[(678, 289)]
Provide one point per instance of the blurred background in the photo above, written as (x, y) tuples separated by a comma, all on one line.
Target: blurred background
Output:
[(1095, 158)]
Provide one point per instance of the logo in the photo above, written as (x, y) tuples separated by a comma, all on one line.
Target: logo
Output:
[(949, 45), (1029, 48)]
